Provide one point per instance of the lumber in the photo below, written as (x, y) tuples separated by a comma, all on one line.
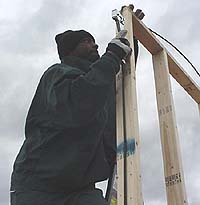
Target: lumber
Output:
[(120, 140), (134, 187), (173, 170), (183, 78), (151, 43)]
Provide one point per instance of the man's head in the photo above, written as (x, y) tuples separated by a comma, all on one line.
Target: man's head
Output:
[(77, 43)]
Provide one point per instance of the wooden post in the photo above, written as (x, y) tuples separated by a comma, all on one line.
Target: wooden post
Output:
[(134, 189), (174, 178), (120, 139)]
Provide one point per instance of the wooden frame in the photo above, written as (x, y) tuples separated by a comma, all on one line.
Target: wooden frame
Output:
[(151, 43), (164, 64), (173, 170)]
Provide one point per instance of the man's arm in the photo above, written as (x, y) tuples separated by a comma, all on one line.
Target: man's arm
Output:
[(77, 101)]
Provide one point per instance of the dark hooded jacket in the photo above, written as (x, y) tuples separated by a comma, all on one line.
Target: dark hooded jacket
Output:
[(70, 127)]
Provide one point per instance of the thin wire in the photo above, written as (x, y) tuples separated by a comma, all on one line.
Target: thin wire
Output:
[(177, 51)]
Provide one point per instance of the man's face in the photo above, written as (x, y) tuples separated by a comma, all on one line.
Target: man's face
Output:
[(87, 49)]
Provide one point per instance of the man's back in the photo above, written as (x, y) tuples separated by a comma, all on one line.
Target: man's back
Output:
[(62, 152), (70, 127)]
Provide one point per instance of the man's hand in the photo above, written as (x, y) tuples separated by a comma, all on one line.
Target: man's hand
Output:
[(121, 34), (119, 45)]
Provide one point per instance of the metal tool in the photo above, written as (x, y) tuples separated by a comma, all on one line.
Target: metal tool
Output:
[(119, 19)]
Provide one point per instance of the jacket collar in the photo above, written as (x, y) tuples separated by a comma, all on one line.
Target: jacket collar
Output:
[(77, 62)]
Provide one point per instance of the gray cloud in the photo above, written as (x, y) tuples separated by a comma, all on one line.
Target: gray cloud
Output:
[(35, 33)]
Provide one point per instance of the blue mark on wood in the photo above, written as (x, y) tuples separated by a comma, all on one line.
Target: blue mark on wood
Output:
[(130, 148)]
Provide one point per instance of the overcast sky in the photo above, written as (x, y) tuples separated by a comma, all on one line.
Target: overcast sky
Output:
[(27, 48)]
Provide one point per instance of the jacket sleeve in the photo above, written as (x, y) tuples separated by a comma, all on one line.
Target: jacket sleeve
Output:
[(77, 99), (109, 135)]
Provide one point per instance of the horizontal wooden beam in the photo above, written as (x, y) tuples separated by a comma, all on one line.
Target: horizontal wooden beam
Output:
[(183, 78), (152, 44)]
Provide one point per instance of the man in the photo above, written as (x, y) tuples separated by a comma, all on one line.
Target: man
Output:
[(70, 126)]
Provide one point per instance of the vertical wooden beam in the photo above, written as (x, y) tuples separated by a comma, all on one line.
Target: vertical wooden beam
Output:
[(174, 178), (134, 189), (120, 140)]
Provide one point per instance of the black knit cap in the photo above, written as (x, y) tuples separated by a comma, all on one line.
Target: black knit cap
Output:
[(68, 40)]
